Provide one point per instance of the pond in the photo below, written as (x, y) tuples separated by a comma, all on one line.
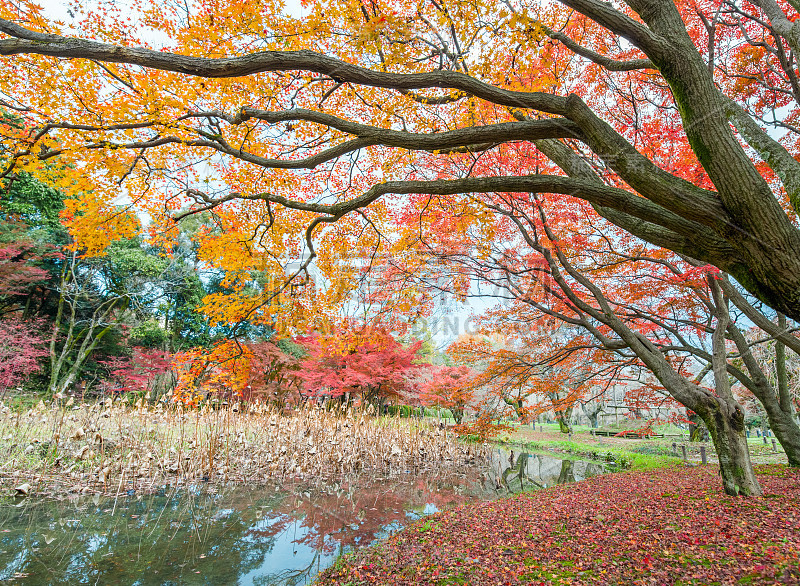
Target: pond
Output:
[(243, 535)]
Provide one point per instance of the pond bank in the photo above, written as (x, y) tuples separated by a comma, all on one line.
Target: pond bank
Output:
[(619, 456), (641, 453), (668, 525)]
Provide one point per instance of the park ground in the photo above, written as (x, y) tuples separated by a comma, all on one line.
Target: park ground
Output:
[(640, 453), (664, 521)]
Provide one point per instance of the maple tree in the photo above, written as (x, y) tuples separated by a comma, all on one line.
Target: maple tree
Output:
[(273, 372), (234, 370), (18, 273), (220, 372), (368, 363), (652, 308), (535, 371), (312, 155), (451, 387), (21, 348), (397, 87), (30, 239), (136, 374)]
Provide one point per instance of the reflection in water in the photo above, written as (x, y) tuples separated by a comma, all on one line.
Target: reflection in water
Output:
[(516, 473), (241, 535)]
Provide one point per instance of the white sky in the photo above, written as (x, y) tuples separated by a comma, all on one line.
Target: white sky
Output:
[(58, 9)]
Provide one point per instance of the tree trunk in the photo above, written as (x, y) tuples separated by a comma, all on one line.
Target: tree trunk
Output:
[(518, 405), (697, 429), (786, 431), (725, 422), (780, 369), (593, 413), (724, 416), (776, 405), (563, 420)]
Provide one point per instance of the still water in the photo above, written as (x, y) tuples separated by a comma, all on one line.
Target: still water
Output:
[(243, 535)]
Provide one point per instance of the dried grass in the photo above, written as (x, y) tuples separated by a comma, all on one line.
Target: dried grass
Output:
[(112, 448)]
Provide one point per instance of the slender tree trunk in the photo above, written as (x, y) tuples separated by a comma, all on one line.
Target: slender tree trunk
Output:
[(593, 413), (518, 405), (57, 360), (780, 369), (26, 313), (784, 396), (777, 406)]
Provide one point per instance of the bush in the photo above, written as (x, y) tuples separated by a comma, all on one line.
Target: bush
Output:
[(753, 421), (652, 450), (482, 429), (148, 335), (401, 410)]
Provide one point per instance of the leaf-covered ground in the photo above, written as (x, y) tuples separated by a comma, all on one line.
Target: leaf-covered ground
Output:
[(668, 526)]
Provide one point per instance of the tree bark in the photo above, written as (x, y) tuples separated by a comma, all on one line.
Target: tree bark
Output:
[(725, 422), (784, 397), (592, 413), (563, 420), (785, 428), (697, 429), (781, 421)]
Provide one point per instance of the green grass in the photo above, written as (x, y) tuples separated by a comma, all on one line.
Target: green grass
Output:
[(625, 458)]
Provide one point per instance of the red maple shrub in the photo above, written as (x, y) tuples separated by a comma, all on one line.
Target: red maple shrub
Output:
[(446, 386), (135, 374), (366, 363), (273, 374), (21, 347)]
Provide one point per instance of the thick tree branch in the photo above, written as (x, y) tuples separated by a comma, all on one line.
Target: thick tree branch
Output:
[(590, 191), (503, 132), (705, 243), (770, 150), (665, 189), (780, 22), (595, 57), (758, 318), (604, 14), (27, 41)]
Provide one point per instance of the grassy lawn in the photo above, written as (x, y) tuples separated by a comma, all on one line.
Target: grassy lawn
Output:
[(549, 437)]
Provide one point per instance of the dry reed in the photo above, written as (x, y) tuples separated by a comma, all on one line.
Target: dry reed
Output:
[(112, 448)]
